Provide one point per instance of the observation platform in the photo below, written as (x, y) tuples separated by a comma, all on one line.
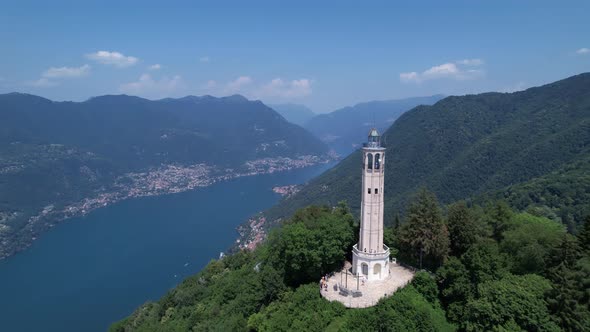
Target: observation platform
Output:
[(351, 291)]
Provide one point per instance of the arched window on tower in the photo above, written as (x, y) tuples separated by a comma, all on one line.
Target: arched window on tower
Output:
[(369, 161), (377, 161)]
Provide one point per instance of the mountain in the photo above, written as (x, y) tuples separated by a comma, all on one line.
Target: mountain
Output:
[(525, 146), (59, 159), (294, 113), (531, 148), (344, 129)]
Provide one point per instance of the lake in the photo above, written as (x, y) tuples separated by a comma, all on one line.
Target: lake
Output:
[(91, 271)]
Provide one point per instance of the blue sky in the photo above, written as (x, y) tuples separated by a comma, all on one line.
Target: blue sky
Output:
[(325, 55)]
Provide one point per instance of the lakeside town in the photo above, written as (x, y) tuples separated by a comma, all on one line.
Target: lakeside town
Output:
[(168, 179), (287, 191)]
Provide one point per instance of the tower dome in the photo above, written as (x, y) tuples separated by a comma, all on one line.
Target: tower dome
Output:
[(374, 140), (373, 132)]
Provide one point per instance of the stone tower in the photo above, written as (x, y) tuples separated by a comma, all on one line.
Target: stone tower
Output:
[(370, 257)]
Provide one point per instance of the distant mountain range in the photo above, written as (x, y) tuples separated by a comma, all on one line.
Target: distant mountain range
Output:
[(59, 159), (530, 147), (344, 129), (294, 113)]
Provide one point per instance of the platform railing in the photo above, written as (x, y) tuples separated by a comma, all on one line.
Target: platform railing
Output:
[(360, 253)]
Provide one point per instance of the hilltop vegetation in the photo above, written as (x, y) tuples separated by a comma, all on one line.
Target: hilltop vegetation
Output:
[(501, 271), (56, 155), (530, 147), (275, 287)]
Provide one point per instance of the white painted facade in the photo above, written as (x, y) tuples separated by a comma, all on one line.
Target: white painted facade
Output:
[(370, 257)]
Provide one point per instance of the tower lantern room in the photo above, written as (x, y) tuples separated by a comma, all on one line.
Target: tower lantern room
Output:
[(374, 140)]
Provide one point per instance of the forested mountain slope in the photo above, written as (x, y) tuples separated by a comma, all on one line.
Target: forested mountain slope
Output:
[(467, 146), (64, 158)]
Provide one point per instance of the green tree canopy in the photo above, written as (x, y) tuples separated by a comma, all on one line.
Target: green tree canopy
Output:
[(513, 301), (463, 228), (424, 237), (529, 241), (314, 242)]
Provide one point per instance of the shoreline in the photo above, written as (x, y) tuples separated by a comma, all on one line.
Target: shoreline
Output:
[(164, 180)]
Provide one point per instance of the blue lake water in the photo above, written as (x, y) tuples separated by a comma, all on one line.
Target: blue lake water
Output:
[(91, 271)]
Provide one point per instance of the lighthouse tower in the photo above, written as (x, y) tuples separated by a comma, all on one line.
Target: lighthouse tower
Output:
[(370, 257)]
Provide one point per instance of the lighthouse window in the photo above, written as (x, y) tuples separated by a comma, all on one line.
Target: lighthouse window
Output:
[(369, 190), (370, 161), (377, 160), (376, 191)]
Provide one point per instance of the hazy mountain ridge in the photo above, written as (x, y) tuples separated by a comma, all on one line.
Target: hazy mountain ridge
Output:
[(344, 129), (294, 113)]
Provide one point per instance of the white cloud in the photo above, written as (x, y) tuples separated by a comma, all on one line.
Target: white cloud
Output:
[(450, 70), (286, 89), (277, 88), (157, 66), (146, 86), (204, 59), (446, 69), (238, 85), (471, 62), (42, 83), (112, 58), (409, 77), (66, 72), (583, 50), (210, 84)]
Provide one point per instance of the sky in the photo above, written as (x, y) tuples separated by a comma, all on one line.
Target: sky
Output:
[(323, 54)]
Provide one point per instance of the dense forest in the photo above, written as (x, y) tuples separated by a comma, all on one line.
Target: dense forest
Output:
[(484, 268), (531, 148)]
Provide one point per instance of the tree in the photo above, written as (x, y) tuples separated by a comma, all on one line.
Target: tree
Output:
[(584, 236), (564, 299), (406, 310), (314, 242), (513, 301), (424, 236), (529, 241), (498, 215), (300, 310), (396, 222), (463, 230), (484, 262), (426, 285), (567, 299), (459, 279), (566, 252), (455, 288)]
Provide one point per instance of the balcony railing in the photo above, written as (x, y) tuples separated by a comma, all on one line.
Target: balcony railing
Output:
[(370, 254)]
